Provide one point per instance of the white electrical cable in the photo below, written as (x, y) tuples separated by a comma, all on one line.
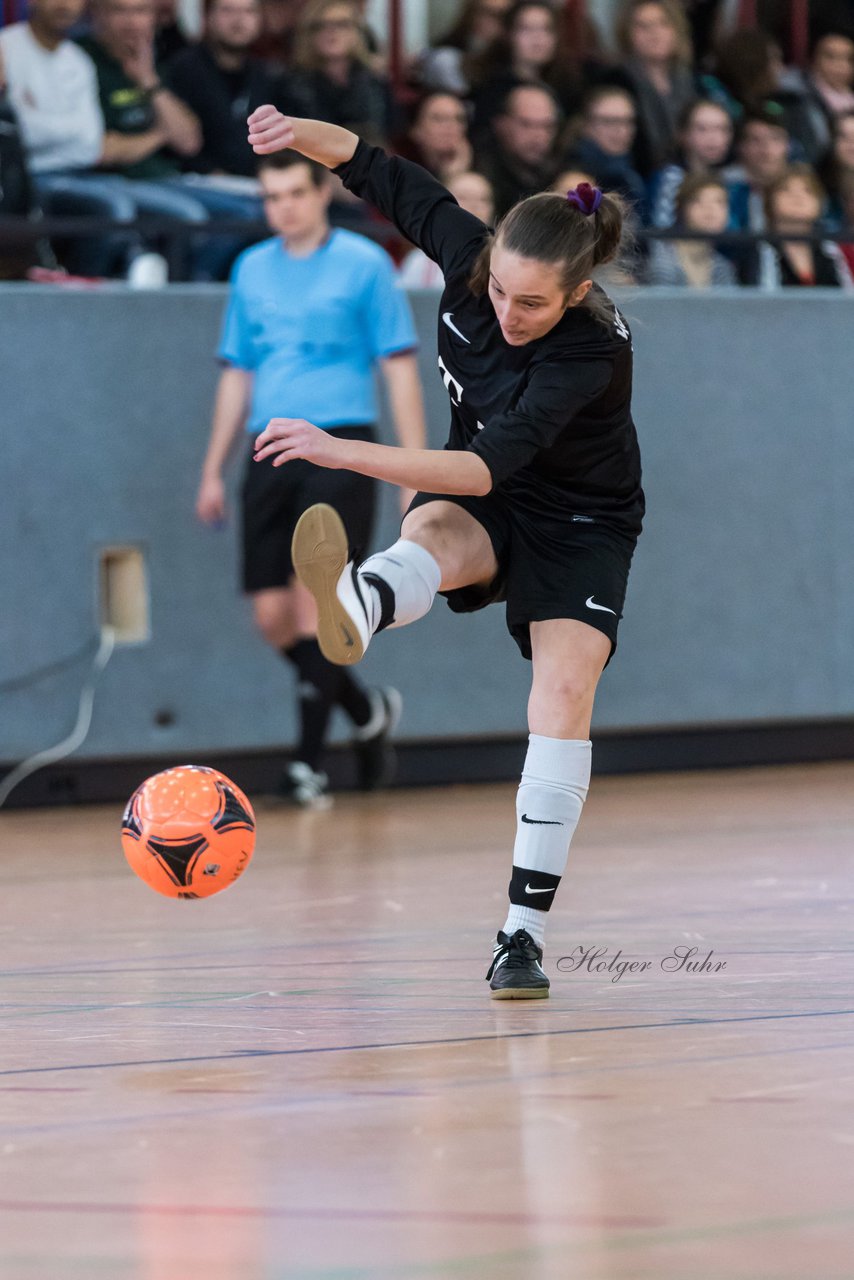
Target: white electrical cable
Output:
[(78, 734)]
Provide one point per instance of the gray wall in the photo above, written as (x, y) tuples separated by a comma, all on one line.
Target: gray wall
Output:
[(741, 602)]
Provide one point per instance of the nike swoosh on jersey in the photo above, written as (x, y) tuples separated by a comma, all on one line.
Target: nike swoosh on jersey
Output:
[(448, 319), (604, 608), (541, 822)]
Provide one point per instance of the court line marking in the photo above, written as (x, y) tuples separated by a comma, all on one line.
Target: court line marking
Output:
[(248, 1054), (595, 1221)]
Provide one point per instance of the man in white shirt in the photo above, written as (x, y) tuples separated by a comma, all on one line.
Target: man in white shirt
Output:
[(52, 85)]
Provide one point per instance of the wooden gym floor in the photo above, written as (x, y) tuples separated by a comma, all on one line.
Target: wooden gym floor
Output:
[(305, 1078)]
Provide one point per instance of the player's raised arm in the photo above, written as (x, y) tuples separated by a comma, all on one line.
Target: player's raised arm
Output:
[(328, 144), (419, 206)]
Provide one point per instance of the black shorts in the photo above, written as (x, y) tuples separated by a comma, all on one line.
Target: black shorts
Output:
[(274, 498), (548, 567)]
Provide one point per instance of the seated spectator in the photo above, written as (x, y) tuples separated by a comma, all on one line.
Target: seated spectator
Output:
[(702, 205), (521, 160), (53, 89), (655, 43), (145, 122), (762, 149), (846, 223), (222, 83), (473, 193), (838, 169), (793, 207), (526, 52), (437, 139), (705, 138), (748, 69), (331, 77), (17, 196), (447, 64), (148, 126), (604, 146), (824, 92)]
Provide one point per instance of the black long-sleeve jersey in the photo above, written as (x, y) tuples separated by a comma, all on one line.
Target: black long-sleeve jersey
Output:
[(551, 419)]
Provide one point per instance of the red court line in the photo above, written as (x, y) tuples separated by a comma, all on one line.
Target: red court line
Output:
[(594, 1221)]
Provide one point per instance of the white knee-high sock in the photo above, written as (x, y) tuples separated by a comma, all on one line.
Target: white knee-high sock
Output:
[(554, 786), (402, 582)]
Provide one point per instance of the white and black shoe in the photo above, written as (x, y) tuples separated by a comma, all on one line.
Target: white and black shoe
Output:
[(305, 787), (320, 550), (375, 756), (516, 972)]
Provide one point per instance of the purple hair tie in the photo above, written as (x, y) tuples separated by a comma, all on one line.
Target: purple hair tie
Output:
[(585, 198)]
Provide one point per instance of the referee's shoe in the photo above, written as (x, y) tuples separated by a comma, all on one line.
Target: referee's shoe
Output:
[(320, 551), (516, 972)]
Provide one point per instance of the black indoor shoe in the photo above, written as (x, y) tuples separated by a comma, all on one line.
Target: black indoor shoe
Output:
[(375, 760), (516, 972)]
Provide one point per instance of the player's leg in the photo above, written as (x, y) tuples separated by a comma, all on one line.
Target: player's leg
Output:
[(283, 616), (442, 547), (373, 712), (568, 658)]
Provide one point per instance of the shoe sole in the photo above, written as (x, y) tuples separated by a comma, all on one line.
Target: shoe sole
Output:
[(521, 993), (320, 551)]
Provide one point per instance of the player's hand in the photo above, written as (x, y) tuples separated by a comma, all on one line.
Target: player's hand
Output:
[(269, 131), (284, 439), (210, 500)]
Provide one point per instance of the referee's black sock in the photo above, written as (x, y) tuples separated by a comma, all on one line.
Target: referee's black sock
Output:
[(353, 699), (317, 693)]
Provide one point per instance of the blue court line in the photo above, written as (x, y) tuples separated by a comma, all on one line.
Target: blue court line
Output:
[(248, 1054)]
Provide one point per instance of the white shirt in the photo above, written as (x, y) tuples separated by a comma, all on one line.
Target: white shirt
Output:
[(55, 96)]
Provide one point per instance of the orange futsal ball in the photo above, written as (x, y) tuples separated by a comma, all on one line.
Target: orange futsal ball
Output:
[(188, 832)]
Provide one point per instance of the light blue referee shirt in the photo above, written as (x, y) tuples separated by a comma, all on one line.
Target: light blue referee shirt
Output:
[(311, 329)]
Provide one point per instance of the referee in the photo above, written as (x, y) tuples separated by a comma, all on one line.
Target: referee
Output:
[(311, 314), (535, 500)]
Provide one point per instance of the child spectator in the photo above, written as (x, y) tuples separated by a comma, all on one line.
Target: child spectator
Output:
[(332, 78), (702, 205), (437, 139), (655, 43), (793, 207), (705, 140)]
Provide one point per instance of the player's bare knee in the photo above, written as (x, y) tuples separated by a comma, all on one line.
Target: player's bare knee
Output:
[(431, 532), (275, 621), (566, 691)]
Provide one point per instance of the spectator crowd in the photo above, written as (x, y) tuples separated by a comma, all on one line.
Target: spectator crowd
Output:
[(704, 126)]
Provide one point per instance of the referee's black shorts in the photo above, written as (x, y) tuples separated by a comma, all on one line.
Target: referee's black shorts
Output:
[(274, 498), (549, 566)]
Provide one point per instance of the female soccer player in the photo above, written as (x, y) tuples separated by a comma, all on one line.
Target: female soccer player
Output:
[(536, 499)]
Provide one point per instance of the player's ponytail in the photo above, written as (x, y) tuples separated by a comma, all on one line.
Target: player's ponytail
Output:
[(576, 233)]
